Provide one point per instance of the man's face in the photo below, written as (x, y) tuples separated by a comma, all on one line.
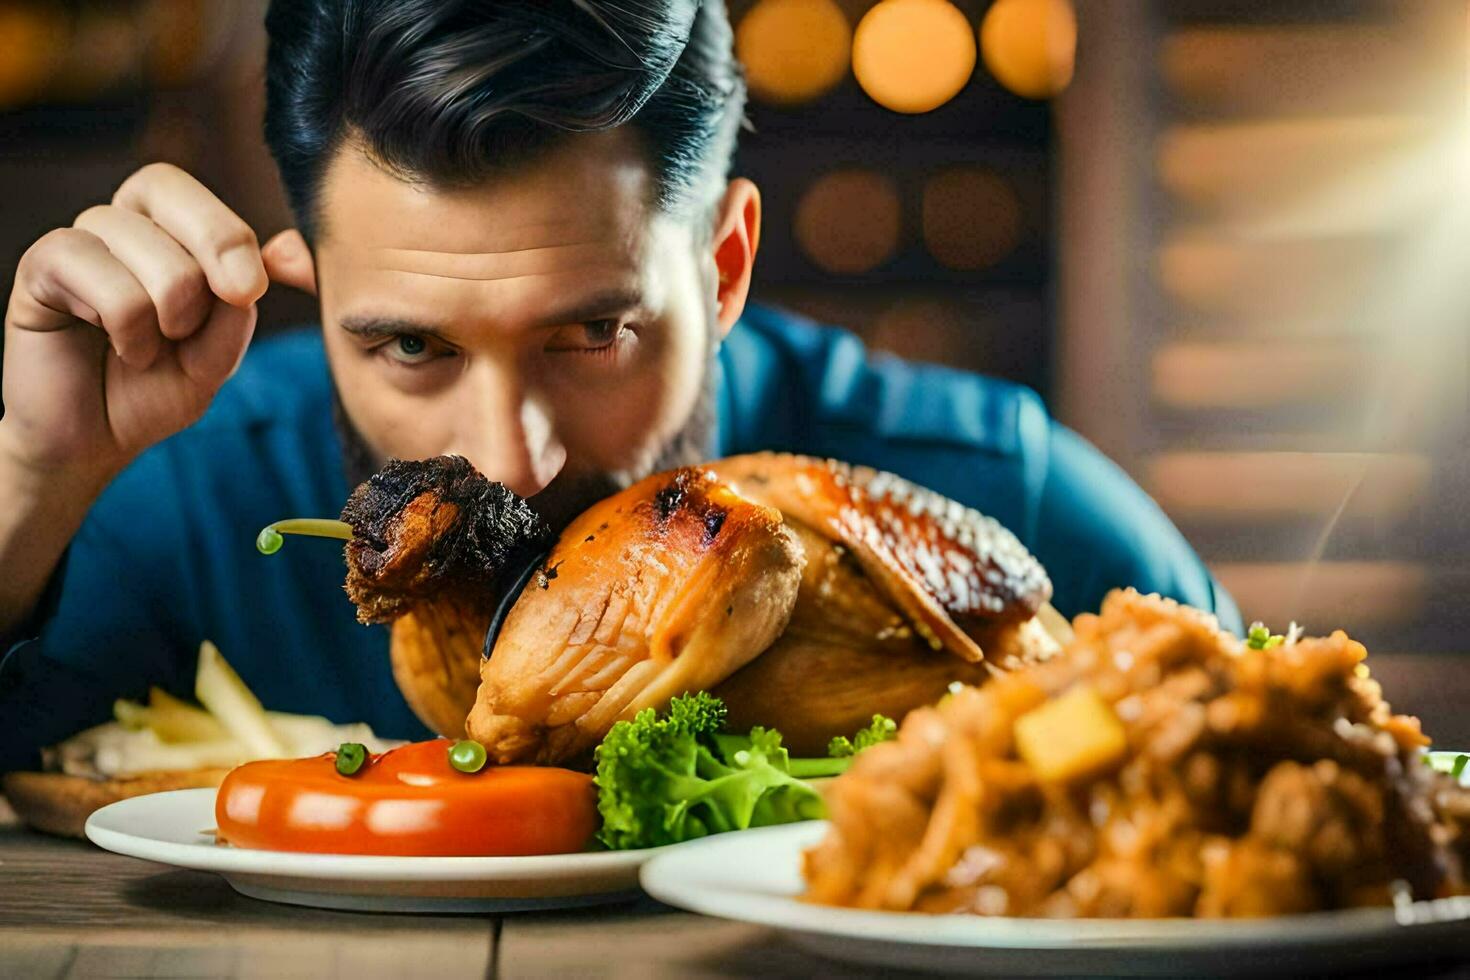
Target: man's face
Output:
[(550, 325)]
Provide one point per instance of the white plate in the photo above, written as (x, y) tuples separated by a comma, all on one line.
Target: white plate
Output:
[(754, 876), (177, 828)]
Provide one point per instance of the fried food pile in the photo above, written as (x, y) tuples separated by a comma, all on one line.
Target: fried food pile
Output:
[(1158, 767), (807, 594)]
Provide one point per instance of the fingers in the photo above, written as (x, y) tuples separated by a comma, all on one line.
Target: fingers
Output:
[(213, 352), (174, 281), (224, 246), (288, 261), (69, 275)]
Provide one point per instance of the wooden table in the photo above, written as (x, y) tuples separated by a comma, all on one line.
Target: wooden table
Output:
[(69, 910)]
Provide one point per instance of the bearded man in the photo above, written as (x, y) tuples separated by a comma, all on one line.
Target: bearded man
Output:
[(528, 250)]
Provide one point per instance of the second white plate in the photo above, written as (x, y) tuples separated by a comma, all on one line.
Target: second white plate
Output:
[(755, 876), (177, 828)]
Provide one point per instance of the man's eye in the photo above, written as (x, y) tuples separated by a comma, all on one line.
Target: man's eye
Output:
[(601, 333), (408, 349), (589, 337)]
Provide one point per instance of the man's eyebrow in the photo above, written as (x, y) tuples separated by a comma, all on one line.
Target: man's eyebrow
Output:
[(603, 305), (370, 327), (599, 306)]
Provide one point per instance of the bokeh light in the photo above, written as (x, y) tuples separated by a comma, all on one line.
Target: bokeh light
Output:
[(848, 221), (31, 42), (793, 50), (181, 36), (913, 55), (922, 328), (1030, 45), (971, 218)]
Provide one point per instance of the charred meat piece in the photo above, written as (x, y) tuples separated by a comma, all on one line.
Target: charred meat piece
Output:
[(429, 529), (433, 543)]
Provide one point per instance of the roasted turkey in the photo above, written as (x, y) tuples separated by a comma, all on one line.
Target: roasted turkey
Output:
[(808, 594)]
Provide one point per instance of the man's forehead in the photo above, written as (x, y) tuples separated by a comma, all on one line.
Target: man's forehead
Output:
[(591, 191)]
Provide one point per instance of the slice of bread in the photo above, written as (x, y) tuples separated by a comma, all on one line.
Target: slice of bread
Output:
[(57, 803)]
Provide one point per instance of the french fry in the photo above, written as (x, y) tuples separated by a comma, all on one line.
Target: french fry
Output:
[(130, 714), (220, 690), (138, 752), (175, 721)]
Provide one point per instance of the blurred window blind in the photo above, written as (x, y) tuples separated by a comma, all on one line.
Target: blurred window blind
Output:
[(1263, 295)]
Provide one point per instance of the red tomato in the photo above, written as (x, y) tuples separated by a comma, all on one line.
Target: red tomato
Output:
[(408, 801)]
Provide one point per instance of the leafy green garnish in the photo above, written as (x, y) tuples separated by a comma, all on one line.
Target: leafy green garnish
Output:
[(880, 729), (1451, 763), (664, 780), (1260, 638), (676, 777)]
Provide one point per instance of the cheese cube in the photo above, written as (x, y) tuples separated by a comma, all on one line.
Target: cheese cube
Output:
[(1072, 736)]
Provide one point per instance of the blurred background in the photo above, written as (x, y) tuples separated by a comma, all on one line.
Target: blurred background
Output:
[(1226, 240)]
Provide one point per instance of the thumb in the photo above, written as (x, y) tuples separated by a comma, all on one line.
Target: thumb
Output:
[(288, 261), (212, 353)]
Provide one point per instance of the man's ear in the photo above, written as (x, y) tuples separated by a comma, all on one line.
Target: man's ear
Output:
[(288, 260), (737, 234)]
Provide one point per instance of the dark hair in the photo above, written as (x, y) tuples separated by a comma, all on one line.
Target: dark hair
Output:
[(452, 91)]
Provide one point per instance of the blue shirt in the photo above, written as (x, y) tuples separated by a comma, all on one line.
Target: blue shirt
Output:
[(167, 558)]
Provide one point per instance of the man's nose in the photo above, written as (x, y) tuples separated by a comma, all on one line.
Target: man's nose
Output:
[(508, 434)]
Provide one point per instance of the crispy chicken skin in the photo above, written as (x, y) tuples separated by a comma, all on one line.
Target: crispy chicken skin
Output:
[(952, 571), (893, 573), (806, 593)]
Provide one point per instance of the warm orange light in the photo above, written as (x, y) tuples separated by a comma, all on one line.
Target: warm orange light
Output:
[(921, 328), (31, 41), (913, 55), (971, 218), (793, 50), (848, 221), (1030, 45), (180, 33)]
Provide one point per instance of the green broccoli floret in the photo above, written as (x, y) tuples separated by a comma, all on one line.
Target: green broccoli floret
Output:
[(664, 780), (698, 714), (880, 729)]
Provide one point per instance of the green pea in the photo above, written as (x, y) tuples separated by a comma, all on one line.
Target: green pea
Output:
[(268, 541), (467, 755), (350, 757)]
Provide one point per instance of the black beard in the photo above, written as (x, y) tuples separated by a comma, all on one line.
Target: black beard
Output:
[(563, 500)]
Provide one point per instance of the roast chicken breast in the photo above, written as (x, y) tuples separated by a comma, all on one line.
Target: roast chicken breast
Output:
[(670, 586), (806, 593)]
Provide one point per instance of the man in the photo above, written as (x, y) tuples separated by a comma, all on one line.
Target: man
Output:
[(517, 220)]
